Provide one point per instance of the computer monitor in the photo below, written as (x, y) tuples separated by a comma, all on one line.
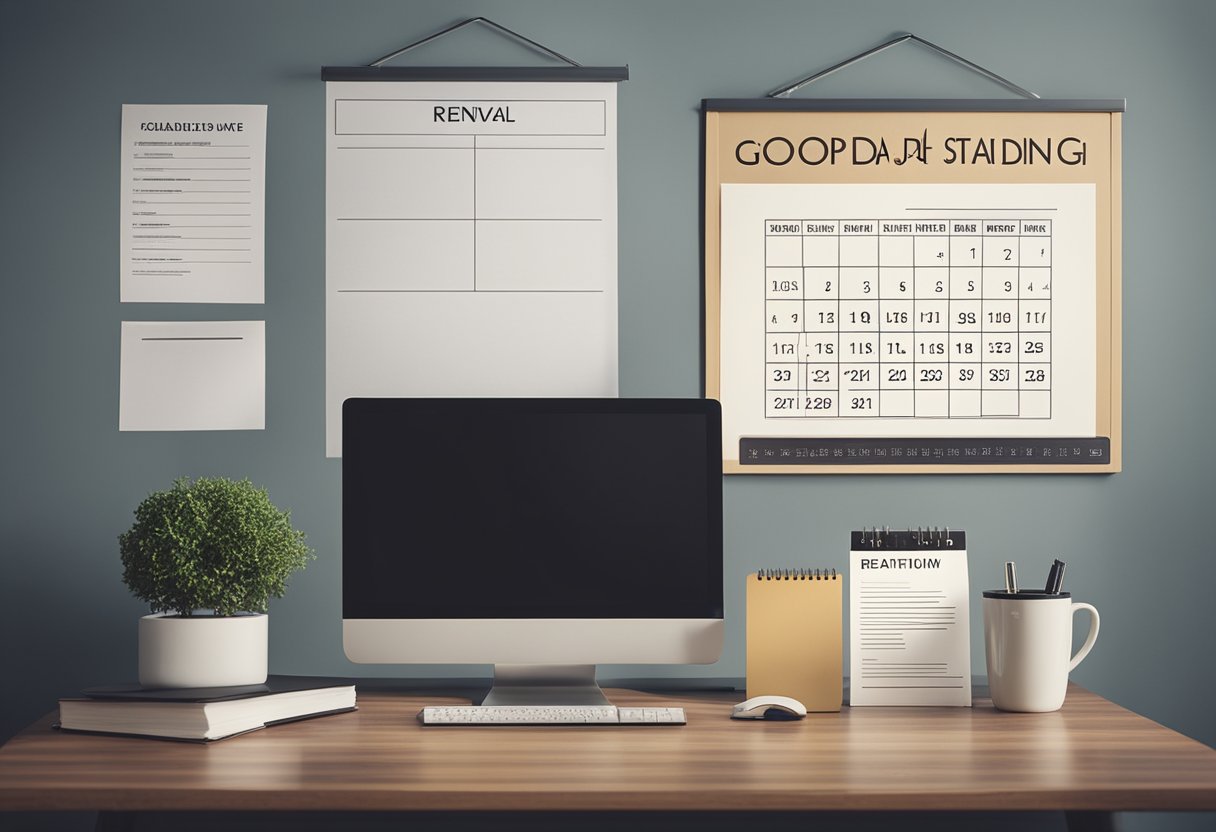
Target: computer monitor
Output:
[(543, 536)]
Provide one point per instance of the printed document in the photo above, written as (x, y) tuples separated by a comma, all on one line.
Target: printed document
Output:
[(910, 640), (192, 203)]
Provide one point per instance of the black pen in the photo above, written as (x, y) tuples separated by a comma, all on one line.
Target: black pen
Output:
[(1056, 579), (1052, 574)]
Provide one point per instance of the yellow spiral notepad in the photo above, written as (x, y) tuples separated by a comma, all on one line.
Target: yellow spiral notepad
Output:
[(794, 636)]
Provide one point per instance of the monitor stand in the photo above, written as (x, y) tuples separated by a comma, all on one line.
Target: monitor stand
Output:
[(545, 684)]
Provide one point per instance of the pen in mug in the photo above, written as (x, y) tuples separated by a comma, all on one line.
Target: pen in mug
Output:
[(1011, 578), (1051, 576), (1055, 580)]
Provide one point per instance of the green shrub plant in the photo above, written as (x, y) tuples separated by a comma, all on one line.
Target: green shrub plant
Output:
[(211, 544)]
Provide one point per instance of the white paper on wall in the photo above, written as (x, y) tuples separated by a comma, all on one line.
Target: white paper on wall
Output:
[(194, 375), (470, 240), (193, 206)]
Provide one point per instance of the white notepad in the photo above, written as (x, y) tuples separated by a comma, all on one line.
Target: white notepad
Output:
[(909, 638)]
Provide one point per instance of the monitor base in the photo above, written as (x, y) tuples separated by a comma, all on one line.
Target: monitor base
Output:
[(545, 684)]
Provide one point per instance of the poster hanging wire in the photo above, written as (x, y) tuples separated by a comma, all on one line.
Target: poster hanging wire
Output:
[(785, 91), (485, 21)]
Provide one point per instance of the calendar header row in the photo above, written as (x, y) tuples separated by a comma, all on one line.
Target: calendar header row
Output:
[(908, 228)]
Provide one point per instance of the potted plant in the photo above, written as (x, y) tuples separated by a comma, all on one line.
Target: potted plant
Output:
[(208, 555)]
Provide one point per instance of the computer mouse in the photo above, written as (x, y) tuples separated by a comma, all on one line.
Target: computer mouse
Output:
[(769, 707)]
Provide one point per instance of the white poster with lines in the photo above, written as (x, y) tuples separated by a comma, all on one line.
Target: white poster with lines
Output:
[(934, 310), (470, 240)]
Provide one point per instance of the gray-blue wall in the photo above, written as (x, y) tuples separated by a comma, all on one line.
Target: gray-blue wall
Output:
[(1138, 543)]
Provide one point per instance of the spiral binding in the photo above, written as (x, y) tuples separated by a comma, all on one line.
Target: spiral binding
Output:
[(927, 536), (796, 575)]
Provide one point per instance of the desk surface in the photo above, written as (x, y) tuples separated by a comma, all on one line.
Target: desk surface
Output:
[(1092, 755)]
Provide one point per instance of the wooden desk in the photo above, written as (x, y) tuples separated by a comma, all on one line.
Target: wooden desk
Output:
[(1090, 756)]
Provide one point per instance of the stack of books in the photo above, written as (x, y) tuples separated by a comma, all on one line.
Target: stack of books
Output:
[(204, 714)]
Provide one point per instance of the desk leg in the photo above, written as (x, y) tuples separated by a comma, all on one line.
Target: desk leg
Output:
[(115, 822), (1092, 821)]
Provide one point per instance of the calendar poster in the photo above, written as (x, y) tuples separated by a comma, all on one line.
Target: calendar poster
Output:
[(913, 291)]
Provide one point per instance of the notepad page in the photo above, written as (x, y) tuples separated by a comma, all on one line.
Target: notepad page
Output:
[(910, 628)]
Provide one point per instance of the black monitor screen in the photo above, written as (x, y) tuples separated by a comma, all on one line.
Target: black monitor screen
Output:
[(531, 508)]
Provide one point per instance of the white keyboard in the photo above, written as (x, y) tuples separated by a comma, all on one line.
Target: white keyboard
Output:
[(549, 715)]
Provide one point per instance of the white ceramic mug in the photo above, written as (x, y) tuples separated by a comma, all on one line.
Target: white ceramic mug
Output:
[(1027, 640)]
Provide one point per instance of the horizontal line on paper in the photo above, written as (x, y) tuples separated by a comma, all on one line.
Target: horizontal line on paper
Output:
[(407, 70), (185, 145), (899, 603), (196, 262), (166, 248), (198, 338), (566, 147), (910, 606), (473, 291), (158, 214), (190, 202), (483, 147), (900, 624), (414, 147), (980, 209), (918, 626), (910, 664), (139, 158), (169, 226), (180, 168), (484, 135), (904, 676), (164, 189), (453, 147), (470, 219), (176, 192), (912, 687)]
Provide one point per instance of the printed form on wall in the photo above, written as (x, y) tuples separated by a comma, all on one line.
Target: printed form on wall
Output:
[(470, 240), (193, 204)]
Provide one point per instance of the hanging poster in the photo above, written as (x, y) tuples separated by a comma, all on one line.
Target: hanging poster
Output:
[(908, 286), (471, 233)]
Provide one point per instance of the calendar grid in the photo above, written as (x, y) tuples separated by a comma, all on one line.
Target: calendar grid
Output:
[(908, 319)]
